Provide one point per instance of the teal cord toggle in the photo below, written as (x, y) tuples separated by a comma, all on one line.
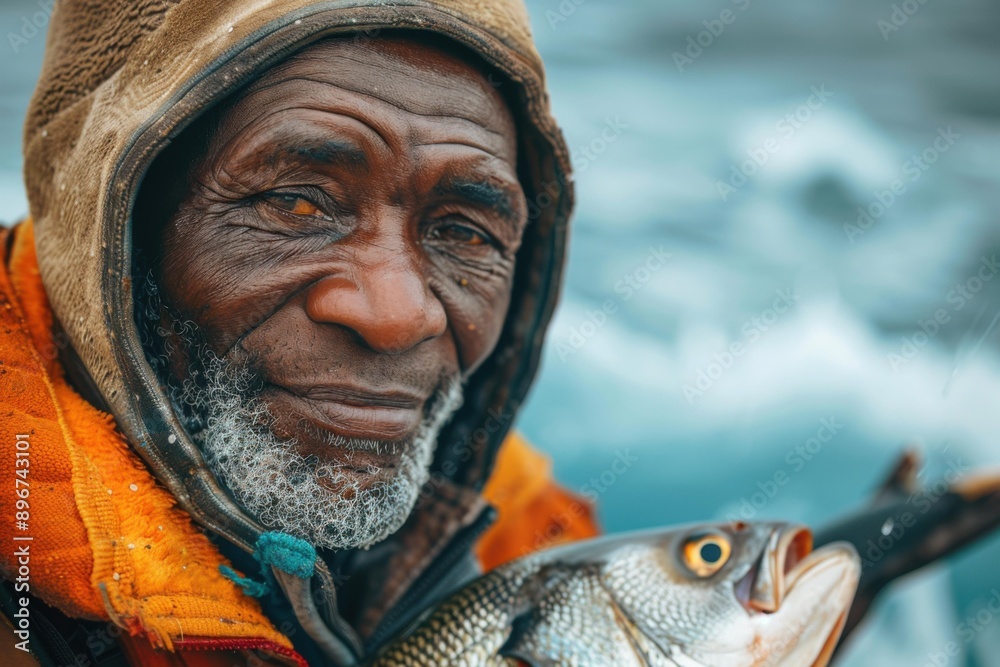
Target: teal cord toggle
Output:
[(251, 587), (281, 550), (287, 553)]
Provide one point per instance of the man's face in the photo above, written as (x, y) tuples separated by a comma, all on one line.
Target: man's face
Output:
[(348, 243)]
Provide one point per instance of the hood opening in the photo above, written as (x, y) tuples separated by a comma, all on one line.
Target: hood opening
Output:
[(121, 83), (483, 421)]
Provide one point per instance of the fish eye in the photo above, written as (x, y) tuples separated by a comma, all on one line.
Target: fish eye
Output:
[(705, 554)]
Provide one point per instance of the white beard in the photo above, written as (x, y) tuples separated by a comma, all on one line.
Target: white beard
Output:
[(327, 504)]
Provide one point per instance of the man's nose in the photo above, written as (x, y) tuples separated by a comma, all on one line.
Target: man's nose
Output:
[(391, 308)]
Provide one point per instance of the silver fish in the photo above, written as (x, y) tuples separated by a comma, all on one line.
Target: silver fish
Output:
[(740, 595)]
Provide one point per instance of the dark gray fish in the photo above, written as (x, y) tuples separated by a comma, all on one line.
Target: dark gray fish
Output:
[(909, 525)]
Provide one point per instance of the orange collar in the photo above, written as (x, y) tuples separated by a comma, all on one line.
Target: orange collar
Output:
[(107, 541)]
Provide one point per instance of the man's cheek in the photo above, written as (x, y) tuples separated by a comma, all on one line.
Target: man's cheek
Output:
[(229, 304), (242, 320), (476, 317), (225, 322), (287, 346)]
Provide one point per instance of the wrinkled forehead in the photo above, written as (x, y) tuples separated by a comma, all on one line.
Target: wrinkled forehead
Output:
[(409, 78)]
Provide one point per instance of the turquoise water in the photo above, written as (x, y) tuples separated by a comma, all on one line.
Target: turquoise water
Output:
[(829, 107), (868, 332)]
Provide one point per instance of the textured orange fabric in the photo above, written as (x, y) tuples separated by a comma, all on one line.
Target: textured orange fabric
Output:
[(61, 556), (107, 541), (534, 512)]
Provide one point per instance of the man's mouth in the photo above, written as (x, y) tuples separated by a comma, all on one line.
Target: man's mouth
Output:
[(350, 412)]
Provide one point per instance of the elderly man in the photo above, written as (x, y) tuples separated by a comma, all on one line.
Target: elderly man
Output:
[(286, 280), (283, 290)]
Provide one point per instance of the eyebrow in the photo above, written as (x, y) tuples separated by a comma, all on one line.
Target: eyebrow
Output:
[(481, 193), (333, 151)]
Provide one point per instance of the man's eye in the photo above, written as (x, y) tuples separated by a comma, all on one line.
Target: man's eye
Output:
[(295, 205), (462, 234)]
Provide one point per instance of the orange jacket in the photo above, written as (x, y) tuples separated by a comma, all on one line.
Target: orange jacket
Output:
[(82, 508)]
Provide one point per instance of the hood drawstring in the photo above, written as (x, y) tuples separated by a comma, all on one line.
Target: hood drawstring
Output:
[(291, 562), (286, 552)]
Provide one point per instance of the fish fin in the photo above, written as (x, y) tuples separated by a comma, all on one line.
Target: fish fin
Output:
[(522, 646), (574, 616), (902, 480), (977, 486)]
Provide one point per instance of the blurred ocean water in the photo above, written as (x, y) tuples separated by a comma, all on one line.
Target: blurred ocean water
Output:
[(812, 183), (829, 106)]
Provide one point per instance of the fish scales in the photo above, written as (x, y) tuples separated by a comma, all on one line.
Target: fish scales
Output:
[(740, 595), (467, 630)]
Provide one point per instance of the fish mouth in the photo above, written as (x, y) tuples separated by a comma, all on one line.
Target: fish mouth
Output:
[(767, 582), (840, 562), (812, 599)]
